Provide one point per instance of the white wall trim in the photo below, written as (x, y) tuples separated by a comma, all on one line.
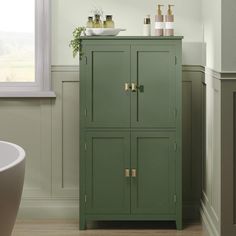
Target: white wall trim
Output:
[(43, 44), (223, 75), (76, 68), (193, 68), (27, 94), (207, 223), (49, 209), (65, 68)]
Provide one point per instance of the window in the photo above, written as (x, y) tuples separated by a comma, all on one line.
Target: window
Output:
[(24, 45)]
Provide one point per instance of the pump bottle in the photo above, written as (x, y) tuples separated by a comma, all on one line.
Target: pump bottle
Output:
[(159, 22), (169, 22), (147, 26)]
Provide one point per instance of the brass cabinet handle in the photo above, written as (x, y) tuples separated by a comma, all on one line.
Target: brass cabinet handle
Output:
[(133, 87), (127, 87), (134, 173), (127, 172)]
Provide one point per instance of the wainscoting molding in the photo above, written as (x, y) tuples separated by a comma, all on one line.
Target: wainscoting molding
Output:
[(192, 140), (218, 204), (211, 164), (48, 129), (228, 156), (65, 134), (27, 122), (209, 228)]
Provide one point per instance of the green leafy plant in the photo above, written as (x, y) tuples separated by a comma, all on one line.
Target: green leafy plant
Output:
[(75, 43)]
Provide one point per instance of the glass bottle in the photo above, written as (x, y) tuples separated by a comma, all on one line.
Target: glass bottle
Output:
[(105, 24), (90, 22), (97, 22), (109, 22)]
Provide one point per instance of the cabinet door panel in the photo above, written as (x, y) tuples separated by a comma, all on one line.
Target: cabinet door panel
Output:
[(108, 69), (153, 156), (153, 69), (107, 157)]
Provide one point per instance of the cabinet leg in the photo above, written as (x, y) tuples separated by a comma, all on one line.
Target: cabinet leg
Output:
[(179, 224), (82, 224)]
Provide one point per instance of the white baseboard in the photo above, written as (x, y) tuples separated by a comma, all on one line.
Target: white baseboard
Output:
[(208, 226), (49, 209), (69, 209)]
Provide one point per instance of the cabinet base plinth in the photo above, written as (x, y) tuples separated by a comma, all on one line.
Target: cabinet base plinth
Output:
[(179, 225), (82, 224), (109, 218)]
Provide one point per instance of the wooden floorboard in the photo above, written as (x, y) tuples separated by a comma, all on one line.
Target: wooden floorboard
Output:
[(62, 228)]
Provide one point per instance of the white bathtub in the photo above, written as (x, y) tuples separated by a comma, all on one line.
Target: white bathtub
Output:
[(12, 171)]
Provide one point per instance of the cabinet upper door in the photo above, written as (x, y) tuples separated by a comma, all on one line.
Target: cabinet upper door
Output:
[(107, 177), (107, 72), (153, 71), (153, 185)]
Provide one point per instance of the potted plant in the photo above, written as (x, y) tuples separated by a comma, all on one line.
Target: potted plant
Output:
[(75, 43)]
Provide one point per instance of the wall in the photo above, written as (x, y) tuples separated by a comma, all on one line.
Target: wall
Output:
[(218, 195), (219, 176), (211, 15), (219, 37), (228, 35), (211, 165), (48, 128), (228, 156), (66, 15), (192, 140)]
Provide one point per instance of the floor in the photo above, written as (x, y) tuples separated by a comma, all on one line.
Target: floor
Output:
[(56, 228)]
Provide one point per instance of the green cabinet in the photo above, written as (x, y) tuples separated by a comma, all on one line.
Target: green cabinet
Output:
[(130, 129)]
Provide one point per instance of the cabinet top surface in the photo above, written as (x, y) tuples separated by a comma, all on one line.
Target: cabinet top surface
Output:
[(132, 38)]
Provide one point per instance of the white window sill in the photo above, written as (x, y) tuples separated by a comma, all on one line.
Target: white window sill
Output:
[(27, 94)]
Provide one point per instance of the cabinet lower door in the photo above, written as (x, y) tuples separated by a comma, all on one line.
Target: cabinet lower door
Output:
[(153, 184), (107, 180)]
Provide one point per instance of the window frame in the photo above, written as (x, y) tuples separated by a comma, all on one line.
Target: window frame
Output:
[(42, 53)]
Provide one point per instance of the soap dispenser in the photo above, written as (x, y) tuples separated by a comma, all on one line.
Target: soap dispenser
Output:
[(169, 22), (159, 22)]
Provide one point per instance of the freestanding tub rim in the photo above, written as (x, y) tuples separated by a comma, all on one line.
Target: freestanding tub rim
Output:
[(19, 158)]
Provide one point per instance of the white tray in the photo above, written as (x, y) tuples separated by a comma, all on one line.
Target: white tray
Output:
[(103, 31)]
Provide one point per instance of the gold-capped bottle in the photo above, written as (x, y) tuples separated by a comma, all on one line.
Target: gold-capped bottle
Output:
[(159, 22), (169, 22), (109, 23), (97, 22), (90, 22)]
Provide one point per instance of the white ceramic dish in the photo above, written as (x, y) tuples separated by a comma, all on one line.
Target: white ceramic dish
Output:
[(103, 31)]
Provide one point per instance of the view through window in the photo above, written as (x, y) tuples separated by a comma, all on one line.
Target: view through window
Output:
[(17, 40)]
